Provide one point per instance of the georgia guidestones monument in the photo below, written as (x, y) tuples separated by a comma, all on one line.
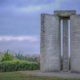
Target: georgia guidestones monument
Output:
[(60, 41)]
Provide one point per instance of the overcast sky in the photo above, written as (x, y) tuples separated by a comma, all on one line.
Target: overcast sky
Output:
[(20, 22)]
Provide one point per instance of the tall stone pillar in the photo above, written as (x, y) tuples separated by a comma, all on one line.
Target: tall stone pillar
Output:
[(50, 43), (75, 43), (65, 45)]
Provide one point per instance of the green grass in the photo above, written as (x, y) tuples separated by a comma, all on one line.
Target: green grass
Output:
[(20, 76)]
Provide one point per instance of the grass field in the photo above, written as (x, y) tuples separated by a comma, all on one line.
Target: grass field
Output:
[(20, 76)]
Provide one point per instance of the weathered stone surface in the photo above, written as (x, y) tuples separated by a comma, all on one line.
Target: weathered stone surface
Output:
[(65, 46), (75, 43), (50, 43), (65, 13)]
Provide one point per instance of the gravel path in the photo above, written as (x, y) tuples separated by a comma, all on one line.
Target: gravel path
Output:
[(52, 74)]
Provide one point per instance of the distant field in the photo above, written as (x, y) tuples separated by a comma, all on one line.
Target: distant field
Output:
[(20, 76)]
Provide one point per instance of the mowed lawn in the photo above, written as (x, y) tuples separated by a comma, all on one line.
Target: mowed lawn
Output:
[(20, 76)]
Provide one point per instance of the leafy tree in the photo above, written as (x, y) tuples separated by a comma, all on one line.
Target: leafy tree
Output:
[(26, 58), (19, 56), (1, 55), (7, 56)]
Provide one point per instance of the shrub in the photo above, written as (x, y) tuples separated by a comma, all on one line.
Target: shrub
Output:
[(18, 65)]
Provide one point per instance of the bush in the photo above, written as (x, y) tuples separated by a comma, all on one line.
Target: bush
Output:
[(18, 65)]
